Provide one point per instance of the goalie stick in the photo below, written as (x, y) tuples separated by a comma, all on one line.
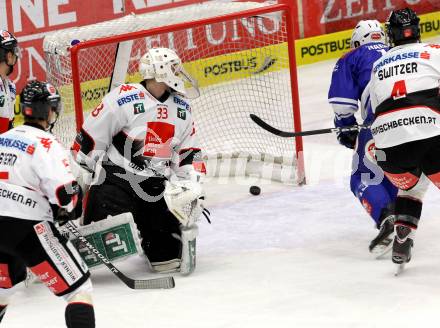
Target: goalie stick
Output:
[(155, 283), (286, 134)]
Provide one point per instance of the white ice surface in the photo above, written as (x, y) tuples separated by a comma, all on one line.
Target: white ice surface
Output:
[(291, 257)]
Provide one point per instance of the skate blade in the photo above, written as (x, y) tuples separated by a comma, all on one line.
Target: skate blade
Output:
[(399, 269)]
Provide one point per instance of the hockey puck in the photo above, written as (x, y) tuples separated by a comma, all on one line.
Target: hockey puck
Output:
[(255, 190)]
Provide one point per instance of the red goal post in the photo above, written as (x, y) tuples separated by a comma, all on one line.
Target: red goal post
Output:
[(243, 56)]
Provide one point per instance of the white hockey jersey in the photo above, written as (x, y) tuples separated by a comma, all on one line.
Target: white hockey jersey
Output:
[(34, 170), (404, 91), (139, 133), (7, 102)]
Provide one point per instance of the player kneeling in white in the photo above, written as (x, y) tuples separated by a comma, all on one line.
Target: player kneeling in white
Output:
[(142, 134), (38, 188)]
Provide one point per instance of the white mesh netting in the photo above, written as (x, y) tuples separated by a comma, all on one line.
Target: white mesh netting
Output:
[(242, 67)]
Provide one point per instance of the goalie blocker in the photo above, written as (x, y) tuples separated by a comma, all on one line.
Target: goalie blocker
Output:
[(116, 238)]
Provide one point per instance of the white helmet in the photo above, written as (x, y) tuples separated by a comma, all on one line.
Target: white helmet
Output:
[(367, 31), (163, 65)]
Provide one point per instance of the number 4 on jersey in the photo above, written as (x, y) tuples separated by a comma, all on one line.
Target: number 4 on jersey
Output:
[(399, 90)]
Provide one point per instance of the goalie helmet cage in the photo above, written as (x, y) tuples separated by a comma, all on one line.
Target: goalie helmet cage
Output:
[(241, 53)]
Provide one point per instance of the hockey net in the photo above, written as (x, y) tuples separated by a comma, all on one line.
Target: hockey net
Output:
[(242, 55)]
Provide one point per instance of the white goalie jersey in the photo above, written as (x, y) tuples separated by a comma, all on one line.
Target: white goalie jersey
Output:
[(34, 172), (139, 133), (404, 91)]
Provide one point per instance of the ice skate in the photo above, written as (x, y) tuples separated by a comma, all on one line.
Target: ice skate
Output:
[(402, 247), (383, 242)]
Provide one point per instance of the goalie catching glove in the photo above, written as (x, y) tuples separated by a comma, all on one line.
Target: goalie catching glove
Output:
[(185, 200)]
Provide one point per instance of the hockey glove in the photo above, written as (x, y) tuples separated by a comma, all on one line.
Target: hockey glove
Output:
[(348, 138), (185, 199), (61, 216)]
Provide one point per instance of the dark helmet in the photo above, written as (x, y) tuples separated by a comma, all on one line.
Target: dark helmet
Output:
[(8, 43), (37, 98), (403, 27)]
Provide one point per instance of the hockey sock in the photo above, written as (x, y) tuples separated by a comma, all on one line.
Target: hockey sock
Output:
[(80, 315), (2, 311)]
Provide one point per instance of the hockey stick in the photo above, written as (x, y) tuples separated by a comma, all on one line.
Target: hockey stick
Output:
[(286, 134), (155, 283)]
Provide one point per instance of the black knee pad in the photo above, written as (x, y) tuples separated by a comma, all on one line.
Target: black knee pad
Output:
[(160, 232)]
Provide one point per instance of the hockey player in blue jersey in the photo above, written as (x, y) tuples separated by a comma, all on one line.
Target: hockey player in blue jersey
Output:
[(349, 80)]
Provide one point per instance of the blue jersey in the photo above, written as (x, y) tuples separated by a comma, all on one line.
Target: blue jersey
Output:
[(349, 79)]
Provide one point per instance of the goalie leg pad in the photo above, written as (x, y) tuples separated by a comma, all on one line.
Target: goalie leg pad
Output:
[(158, 228), (187, 262), (162, 249), (188, 239)]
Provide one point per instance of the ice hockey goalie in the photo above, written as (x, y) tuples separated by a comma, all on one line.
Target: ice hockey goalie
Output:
[(140, 143)]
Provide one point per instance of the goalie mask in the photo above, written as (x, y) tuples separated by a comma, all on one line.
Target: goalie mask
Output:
[(165, 66), (37, 99), (367, 31), (403, 27)]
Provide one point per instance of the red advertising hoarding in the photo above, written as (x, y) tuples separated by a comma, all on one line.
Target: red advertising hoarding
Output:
[(30, 20), (328, 16)]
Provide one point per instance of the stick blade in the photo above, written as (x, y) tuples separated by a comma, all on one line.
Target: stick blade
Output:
[(157, 283)]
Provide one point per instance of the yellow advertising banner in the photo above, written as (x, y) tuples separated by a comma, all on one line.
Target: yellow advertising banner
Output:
[(334, 45)]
